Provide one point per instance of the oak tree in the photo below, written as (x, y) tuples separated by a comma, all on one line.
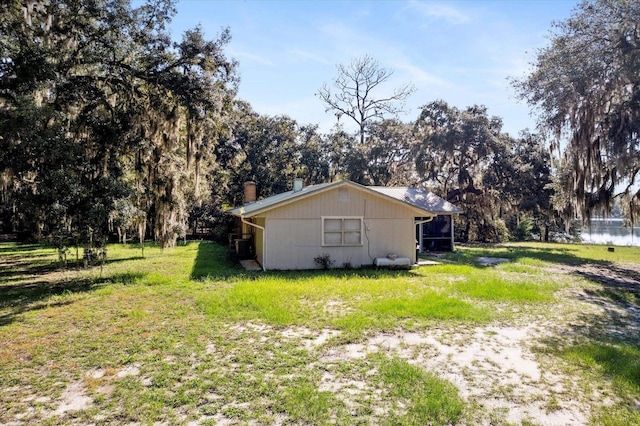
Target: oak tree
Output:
[(586, 88)]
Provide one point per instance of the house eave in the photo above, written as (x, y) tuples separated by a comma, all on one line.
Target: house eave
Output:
[(311, 191)]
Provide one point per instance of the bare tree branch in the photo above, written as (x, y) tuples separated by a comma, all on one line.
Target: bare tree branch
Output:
[(353, 96)]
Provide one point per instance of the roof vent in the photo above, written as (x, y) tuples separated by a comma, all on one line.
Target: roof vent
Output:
[(297, 185)]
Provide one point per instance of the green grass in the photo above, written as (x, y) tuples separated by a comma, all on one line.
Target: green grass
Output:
[(510, 288), (427, 399), (207, 340), (537, 254), (618, 364), (304, 403), (430, 305), (375, 303)]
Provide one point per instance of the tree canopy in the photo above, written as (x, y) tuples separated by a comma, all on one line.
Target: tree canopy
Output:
[(97, 104), (497, 180), (586, 87), (109, 125)]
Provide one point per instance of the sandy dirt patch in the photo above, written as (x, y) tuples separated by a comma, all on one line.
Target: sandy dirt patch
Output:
[(491, 366), (74, 398)]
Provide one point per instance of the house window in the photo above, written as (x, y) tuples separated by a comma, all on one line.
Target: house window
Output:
[(343, 194), (341, 231)]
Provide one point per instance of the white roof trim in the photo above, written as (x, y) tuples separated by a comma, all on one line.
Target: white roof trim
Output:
[(423, 202)]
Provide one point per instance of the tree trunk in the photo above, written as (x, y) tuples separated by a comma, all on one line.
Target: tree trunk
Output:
[(467, 228)]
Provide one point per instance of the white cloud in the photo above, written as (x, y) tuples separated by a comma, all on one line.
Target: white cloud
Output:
[(419, 76), (347, 40), (439, 11), (251, 57), (308, 55)]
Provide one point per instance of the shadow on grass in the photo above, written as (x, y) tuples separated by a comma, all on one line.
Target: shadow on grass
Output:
[(20, 249), (9, 317), (620, 284), (619, 301), (614, 276), (18, 268), (618, 296), (619, 362), (28, 281), (609, 338), (35, 295), (214, 262), (549, 254)]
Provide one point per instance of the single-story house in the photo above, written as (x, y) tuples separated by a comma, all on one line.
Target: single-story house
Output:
[(353, 224)]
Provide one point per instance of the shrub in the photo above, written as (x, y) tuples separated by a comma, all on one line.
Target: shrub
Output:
[(324, 261)]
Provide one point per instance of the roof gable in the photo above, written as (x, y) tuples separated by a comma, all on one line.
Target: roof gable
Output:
[(278, 200), (422, 201)]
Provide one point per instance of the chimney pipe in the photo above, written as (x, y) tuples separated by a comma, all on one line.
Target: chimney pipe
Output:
[(297, 184), (249, 192)]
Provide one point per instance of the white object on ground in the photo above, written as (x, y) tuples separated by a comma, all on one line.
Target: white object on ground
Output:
[(398, 261)]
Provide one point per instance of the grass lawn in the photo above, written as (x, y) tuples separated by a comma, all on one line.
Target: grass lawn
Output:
[(186, 337)]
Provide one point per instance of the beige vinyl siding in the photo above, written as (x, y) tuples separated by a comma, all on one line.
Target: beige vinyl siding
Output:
[(328, 204), (294, 231)]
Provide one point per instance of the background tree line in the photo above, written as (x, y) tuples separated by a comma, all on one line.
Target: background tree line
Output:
[(108, 127), (500, 181), (105, 121)]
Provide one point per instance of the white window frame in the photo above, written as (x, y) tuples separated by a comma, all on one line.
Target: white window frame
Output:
[(342, 231)]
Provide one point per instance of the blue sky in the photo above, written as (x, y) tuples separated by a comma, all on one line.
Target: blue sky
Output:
[(460, 51)]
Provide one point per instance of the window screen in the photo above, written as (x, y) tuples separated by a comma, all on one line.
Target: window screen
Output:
[(342, 231)]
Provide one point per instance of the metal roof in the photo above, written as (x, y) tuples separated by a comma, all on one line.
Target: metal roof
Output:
[(416, 197)]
